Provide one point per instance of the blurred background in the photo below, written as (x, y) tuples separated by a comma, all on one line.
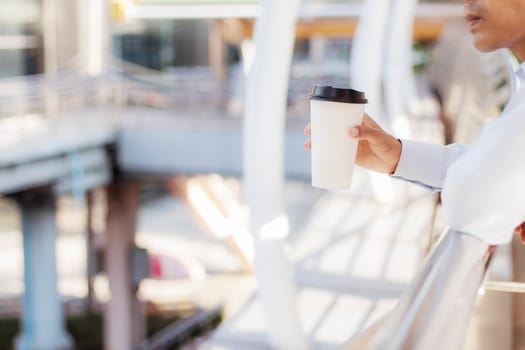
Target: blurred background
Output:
[(125, 199)]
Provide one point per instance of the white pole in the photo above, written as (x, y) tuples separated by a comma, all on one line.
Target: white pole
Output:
[(51, 66), (93, 41), (367, 54), (266, 96), (50, 36), (400, 92), (366, 69)]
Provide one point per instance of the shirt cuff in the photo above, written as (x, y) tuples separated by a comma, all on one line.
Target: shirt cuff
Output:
[(422, 163)]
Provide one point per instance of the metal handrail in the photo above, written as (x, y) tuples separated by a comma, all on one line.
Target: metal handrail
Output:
[(51, 94), (434, 310), (184, 88)]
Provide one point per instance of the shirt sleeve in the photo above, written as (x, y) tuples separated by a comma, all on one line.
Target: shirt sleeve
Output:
[(484, 193), (426, 164)]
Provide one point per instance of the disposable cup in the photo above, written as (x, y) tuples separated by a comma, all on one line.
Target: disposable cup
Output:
[(332, 112)]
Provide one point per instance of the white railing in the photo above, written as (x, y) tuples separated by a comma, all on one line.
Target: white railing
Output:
[(48, 95), (190, 89), (434, 310)]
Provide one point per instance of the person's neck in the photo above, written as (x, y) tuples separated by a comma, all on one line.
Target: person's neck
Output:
[(519, 53)]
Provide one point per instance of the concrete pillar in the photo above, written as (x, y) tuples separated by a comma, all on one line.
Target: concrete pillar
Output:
[(49, 24), (60, 34), (263, 170), (217, 51), (50, 46), (93, 35), (43, 325), (124, 324)]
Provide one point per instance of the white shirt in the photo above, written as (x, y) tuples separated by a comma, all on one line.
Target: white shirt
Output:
[(482, 185)]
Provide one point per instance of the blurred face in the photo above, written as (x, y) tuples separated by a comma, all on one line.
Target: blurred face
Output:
[(497, 24)]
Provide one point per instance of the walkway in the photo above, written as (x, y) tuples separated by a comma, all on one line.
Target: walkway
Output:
[(352, 258)]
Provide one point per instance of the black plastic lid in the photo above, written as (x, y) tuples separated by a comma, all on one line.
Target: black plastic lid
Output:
[(329, 93)]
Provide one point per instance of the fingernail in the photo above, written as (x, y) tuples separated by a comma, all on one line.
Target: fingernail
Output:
[(354, 132)]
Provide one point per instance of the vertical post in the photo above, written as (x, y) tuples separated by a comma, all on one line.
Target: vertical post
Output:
[(43, 325), (317, 50), (50, 36), (124, 318), (366, 71), (367, 53), (217, 50), (267, 91), (94, 35), (400, 93), (91, 254)]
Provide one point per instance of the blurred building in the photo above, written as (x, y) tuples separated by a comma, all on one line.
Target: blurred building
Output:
[(161, 44), (20, 37), (155, 44)]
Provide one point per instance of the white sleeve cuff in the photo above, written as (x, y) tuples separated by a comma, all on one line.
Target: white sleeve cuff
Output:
[(422, 162)]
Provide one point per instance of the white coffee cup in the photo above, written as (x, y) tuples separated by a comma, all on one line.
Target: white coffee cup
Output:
[(332, 112)]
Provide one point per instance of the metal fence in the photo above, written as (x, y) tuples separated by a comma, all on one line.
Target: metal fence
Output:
[(434, 310), (50, 95), (193, 90)]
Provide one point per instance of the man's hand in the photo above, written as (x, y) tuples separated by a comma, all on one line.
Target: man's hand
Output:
[(377, 150)]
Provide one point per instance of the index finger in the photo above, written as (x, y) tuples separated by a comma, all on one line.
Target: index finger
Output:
[(368, 121)]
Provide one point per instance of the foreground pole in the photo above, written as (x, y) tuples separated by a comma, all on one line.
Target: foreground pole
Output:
[(267, 90), (366, 74)]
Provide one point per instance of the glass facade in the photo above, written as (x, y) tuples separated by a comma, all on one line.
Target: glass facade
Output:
[(20, 37)]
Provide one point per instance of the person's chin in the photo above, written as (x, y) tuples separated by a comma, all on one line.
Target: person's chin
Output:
[(484, 45)]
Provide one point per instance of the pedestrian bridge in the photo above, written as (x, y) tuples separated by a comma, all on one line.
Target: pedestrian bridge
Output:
[(78, 149)]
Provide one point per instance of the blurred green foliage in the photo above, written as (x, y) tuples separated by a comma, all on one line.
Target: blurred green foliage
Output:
[(421, 56)]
